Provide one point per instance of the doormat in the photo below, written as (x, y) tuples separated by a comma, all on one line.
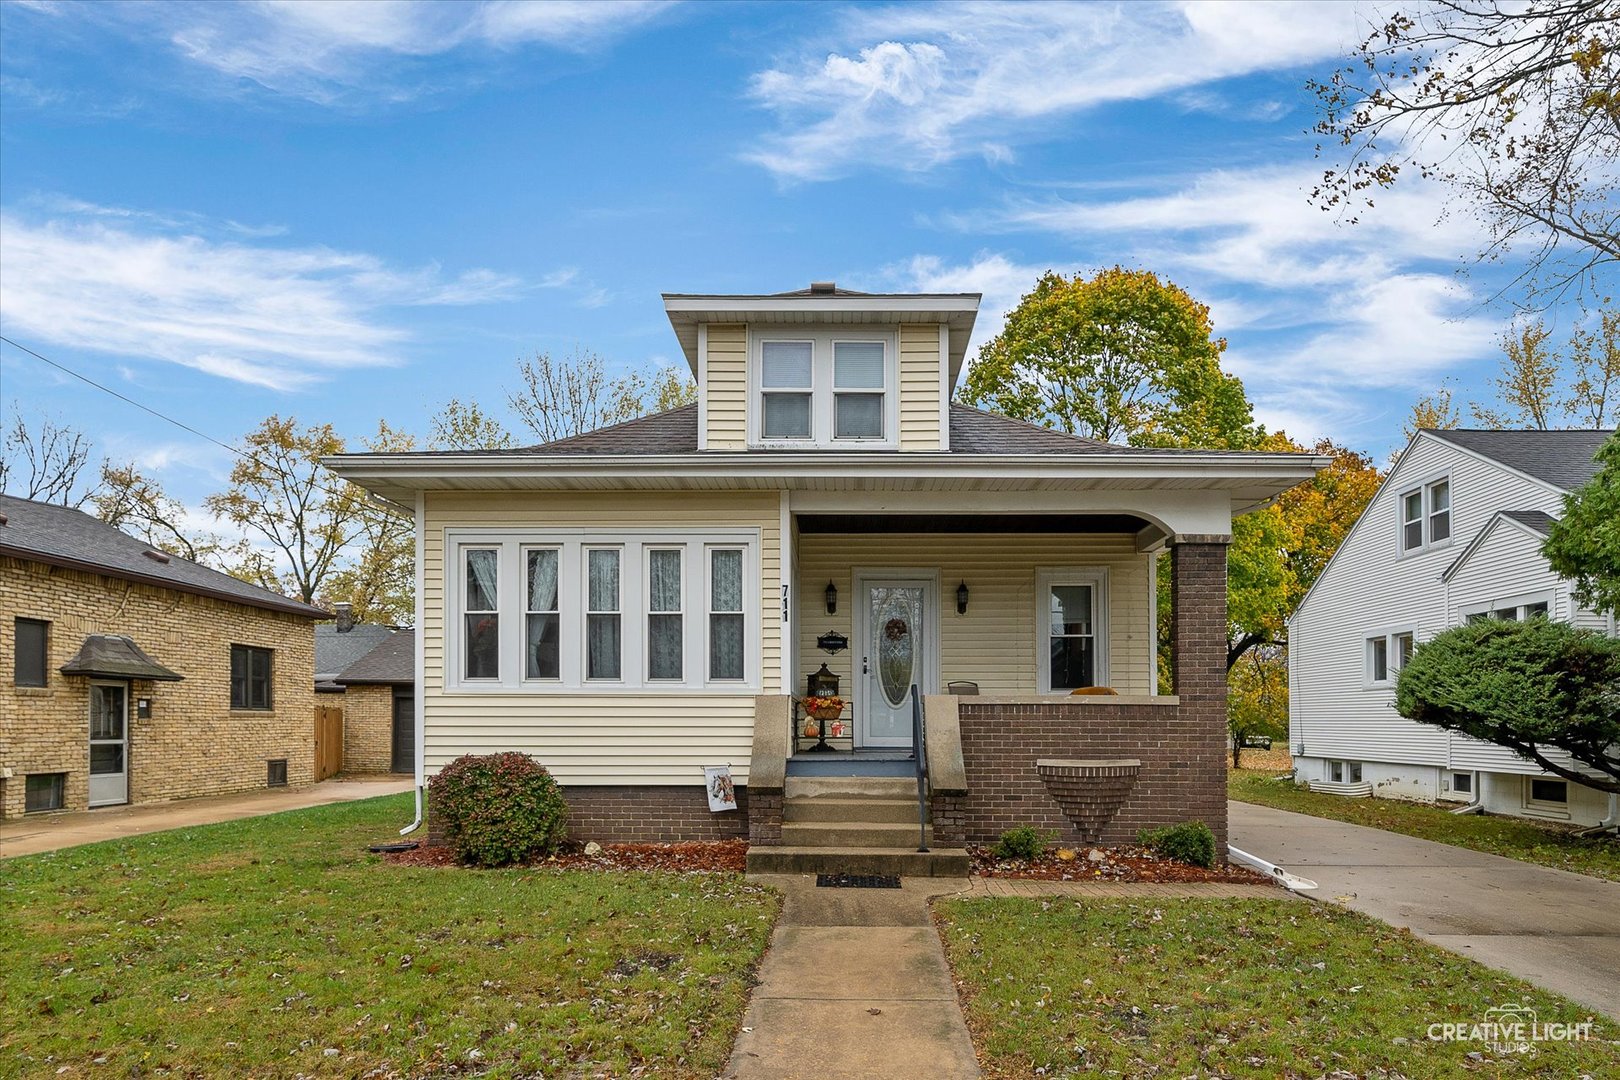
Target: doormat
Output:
[(856, 881)]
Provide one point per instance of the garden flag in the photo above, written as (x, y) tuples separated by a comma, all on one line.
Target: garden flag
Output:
[(722, 795)]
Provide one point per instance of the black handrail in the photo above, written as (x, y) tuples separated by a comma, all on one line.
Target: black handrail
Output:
[(921, 751)]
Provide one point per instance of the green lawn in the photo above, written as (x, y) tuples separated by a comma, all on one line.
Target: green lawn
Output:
[(1529, 841), (277, 946), (1281, 988)]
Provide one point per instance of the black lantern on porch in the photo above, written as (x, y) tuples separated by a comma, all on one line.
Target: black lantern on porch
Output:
[(821, 683), (832, 599)]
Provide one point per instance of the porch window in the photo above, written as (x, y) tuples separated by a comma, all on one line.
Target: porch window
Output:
[(542, 645), (481, 607), (665, 614), (726, 629), (1073, 651), (604, 644)]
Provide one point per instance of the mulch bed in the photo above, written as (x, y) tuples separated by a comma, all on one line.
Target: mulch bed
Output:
[(1125, 863), (695, 857)]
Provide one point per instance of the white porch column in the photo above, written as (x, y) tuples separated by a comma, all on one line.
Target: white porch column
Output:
[(789, 611)]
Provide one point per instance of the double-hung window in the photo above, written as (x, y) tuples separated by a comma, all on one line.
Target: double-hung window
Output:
[(542, 643), (666, 614), (1426, 515), (825, 388), (604, 641), (481, 608), (1387, 654), (727, 627), (1072, 639)]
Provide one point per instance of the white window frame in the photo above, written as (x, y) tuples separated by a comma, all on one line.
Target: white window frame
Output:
[(684, 560), (1344, 767), (1391, 637), (822, 390), (1450, 790), (626, 661), (1517, 604), (1545, 807), (1425, 491), (572, 591), (1097, 578), (526, 611), (748, 674), (502, 661)]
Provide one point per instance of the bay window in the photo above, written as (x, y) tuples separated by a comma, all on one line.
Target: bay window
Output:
[(825, 388), (627, 611)]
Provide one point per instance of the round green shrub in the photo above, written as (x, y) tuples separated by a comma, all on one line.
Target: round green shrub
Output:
[(1024, 842), (498, 809), (1190, 842)]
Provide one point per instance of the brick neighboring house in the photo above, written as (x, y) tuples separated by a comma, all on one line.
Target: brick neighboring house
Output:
[(129, 676), (370, 738), (379, 707), (633, 604)]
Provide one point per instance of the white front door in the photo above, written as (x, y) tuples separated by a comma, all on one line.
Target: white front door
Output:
[(896, 652), (109, 744)]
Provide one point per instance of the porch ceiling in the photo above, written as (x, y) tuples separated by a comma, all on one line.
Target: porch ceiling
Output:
[(837, 524)]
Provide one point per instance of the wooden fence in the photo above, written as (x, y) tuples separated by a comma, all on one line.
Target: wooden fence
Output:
[(328, 741)]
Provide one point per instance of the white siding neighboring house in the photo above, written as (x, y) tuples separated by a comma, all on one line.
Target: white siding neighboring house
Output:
[(1455, 532)]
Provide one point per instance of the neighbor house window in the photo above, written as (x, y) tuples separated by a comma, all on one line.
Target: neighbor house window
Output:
[(1387, 654), (542, 646), (604, 643), (1510, 610), (1404, 647), (825, 388), (44, 791), (1072, 651), (787, 386), (1462, 783), (1378, 659), (250, 677), (726, 628), (665, 614), (33, 636), (482, 610), (621, 609), (1426, 515)]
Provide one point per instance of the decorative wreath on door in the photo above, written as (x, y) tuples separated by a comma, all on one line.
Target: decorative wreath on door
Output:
[(895, 629)]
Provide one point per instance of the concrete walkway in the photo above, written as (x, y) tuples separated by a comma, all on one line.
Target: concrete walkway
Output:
[(854, 986), (49, 832), (1558, 930)]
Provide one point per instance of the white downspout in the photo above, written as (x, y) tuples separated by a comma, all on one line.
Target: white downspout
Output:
[(419, 691)]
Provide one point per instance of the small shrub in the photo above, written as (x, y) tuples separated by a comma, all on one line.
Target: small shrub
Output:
[(1024, 842), (1190, 842), (498, 809)]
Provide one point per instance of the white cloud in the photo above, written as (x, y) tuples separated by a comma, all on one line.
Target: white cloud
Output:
[(331, 50), (912, 86), (279, 317)]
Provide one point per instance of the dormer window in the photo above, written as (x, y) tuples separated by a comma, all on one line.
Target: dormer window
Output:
[(826, 389)]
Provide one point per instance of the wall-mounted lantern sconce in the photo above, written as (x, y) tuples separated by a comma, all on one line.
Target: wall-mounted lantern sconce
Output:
[(961, 598), (832, 599)]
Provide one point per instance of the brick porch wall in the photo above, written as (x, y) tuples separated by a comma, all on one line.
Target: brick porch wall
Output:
[(1181, 746)]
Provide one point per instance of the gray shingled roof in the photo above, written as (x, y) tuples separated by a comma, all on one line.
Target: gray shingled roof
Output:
[(1535, 519), (973, 431), (45, 532), (336, 651), (116, 656), (1562, 458), (392, 662)]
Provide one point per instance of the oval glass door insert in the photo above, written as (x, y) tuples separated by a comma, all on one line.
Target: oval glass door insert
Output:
[(896, 644)]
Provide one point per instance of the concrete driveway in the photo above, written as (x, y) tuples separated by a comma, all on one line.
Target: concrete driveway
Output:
[(1558, 930), (35, 833)]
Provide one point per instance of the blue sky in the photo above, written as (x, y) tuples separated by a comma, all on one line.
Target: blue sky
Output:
[(352, 211)]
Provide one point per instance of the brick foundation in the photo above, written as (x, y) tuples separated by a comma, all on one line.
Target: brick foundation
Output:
[(641, 815)]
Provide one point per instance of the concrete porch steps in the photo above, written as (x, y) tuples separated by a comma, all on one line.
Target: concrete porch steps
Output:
[(942, 862), (834, 808), (853, 834)]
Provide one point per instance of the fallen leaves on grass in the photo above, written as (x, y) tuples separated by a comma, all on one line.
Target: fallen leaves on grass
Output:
[(1125, 863), (690, 857)]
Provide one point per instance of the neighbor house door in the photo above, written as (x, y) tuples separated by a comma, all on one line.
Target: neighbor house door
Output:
[(896, 650), (109, 743), (404, 731)]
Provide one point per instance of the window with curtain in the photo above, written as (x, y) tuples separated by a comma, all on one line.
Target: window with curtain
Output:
[(481, 610), (859, 375), (542, 646), (726, 626), (665, 614), (786, 384), (604, 643)]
